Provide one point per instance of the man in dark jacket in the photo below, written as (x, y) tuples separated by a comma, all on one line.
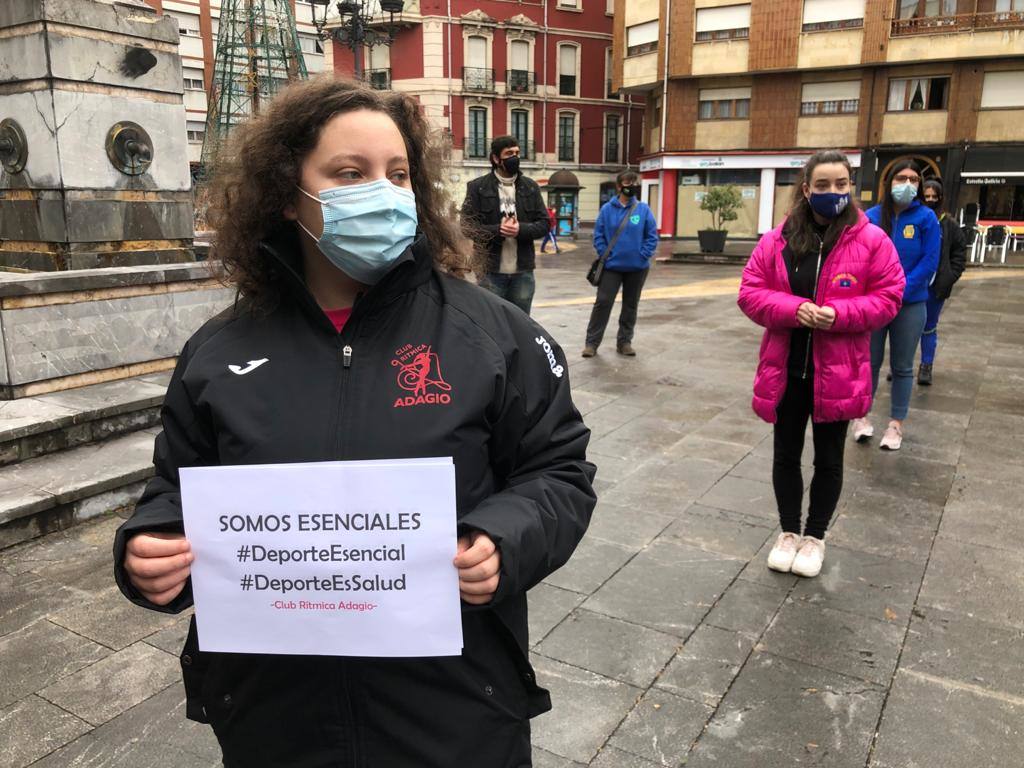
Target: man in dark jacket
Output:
[(503, 213), (952, 262)]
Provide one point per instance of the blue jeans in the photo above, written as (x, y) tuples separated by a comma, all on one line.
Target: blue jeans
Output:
[(517, 287), (549, 236), (904, 333), (930, 338)]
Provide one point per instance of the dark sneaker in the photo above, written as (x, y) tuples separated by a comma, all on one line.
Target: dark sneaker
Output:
[(924, 375), (589, 351), (626, 349)]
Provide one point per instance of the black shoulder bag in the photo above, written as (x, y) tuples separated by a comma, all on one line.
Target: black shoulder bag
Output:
[(597, 268)]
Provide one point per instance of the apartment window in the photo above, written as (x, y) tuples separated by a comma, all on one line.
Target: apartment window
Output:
[(188, 24), (521, 130), (192, 79), (917, 94), (1005, 6), (729, 22), (612, 124), (476, 142), (926, 9), (567, 58), (838, 98), (642, 38), (476, 51), (820, 15), (723, 104), (1003, 89), (609, 7), (310, 44), (566, 137), (575, 4), (196, 131)]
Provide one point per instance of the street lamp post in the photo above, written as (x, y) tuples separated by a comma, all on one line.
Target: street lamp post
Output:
[(357, 26)]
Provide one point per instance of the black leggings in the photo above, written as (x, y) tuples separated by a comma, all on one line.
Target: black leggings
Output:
[(787, 477)]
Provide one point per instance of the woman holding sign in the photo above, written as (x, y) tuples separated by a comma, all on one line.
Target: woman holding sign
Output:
[(354, 339)]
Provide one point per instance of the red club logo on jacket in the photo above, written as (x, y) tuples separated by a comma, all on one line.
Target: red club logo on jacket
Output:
[(419, 374)]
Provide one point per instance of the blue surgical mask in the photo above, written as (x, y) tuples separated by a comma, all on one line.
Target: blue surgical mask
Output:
[(366, 227), (828, 205), (905, 193)]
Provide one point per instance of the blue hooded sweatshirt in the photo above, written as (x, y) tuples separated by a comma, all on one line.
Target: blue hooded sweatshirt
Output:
[(636, 244), (917, 235)]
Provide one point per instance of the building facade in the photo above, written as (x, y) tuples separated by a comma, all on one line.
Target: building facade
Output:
[(743, 93), (198, 23), (539, 70)]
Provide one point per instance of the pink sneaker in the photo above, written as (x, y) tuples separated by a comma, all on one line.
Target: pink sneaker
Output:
[(862, 430)]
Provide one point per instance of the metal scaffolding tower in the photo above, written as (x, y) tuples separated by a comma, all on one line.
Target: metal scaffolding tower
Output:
[(257, 54)]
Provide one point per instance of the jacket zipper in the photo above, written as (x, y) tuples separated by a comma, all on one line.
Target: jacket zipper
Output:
[(814, 293)]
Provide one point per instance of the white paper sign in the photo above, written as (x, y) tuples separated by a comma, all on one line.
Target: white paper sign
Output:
[(339, 558)]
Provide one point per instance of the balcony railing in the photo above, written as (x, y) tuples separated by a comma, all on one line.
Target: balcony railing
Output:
[(520, 81), (479, 148), (379, 79), (965, 22), (567, 151), (476, 147), (478, 79)]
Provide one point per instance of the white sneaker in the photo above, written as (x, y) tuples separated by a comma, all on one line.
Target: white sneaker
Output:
[(781, 557), (810, 557), (893, 437), (862, 430)]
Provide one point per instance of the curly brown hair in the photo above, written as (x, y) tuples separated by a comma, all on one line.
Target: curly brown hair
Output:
[(257, 171)]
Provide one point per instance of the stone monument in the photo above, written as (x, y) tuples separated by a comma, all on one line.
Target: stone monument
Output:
[(92, 136)]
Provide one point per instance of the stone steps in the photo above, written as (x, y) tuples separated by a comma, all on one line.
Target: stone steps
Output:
[(56, 491), (36, 426), (69, 456)]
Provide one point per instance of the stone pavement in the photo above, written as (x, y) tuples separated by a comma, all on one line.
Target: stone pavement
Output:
[(665, 641)]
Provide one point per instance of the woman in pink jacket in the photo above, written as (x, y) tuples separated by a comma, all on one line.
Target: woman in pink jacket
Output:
[(820, 283)]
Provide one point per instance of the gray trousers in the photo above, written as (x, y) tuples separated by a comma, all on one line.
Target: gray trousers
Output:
[(632, 283)]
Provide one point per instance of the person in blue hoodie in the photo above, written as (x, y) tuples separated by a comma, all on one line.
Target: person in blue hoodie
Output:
[(627, 264), (917, 235)]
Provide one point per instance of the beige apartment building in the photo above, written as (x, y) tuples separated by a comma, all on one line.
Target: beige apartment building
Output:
[(744, 92)]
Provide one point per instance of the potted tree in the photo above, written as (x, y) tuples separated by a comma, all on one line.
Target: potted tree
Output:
[(722, 203)]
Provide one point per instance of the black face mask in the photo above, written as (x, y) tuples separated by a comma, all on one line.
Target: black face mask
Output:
[(629, 191), (934, 204), (511, 165)]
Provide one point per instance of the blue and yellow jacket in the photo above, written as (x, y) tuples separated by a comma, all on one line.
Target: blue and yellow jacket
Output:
[(917, 235)]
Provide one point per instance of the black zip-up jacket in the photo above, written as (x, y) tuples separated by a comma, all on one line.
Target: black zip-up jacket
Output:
[(504, 413), (481, 216), (952, 259)]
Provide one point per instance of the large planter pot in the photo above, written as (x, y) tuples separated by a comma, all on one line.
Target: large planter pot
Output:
[(711, 240)]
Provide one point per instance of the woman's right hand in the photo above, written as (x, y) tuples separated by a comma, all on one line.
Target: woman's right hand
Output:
[(158, 565), (807, 314)]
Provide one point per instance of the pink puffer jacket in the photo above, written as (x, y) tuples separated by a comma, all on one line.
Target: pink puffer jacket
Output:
[(862, 280)]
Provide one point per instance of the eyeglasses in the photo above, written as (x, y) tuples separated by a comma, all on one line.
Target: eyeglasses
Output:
[(904, 178)]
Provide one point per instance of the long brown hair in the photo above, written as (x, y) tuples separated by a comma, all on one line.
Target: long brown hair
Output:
[(799, 230), (256, 173)]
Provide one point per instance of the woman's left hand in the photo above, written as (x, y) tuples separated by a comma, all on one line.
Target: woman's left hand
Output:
[(826, 318), (479, 563)]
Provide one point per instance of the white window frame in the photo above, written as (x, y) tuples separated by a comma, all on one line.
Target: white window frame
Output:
[(558, 64), (619, 134), (643, 31), (576, 134), (570, 5), (910, 81), (991, 100), (715, 29), (843, 94), (489, 135)]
